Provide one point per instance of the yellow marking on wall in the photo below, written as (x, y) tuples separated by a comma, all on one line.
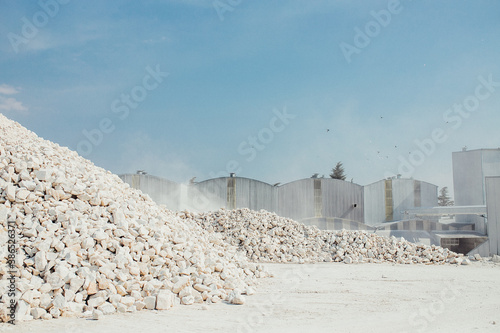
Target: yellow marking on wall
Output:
[(389, 209), (231, 193)]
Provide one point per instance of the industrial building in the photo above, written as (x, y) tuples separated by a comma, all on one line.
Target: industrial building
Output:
[(476, 175), (397, 206)]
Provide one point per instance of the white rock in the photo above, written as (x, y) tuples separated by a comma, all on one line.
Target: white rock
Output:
[(10, 191), (22, 195), (187, 300), (75, 307), (127, 300), (235, 297), (37, 313), (107, 308), (150, 302), (95, 302), (181, 284), (23, 311), (59, 301), (40, 260), (97, 315), (100, 235), (76, 283), (164, 300)]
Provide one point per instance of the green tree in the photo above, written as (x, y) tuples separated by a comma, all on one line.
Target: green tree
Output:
[(338, 172), (444, 198)]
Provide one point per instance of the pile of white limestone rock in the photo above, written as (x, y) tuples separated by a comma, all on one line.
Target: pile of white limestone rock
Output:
[(85, 243), (267, 237)]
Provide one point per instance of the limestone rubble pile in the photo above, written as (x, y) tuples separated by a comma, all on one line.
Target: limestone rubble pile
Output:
[(267, 237), (87, 243)]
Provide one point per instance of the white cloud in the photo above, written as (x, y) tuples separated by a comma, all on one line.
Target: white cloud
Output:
[(10, 103), (7, 90)]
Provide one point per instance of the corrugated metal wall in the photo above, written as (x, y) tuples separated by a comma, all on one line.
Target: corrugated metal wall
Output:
[(403, 196), (296, 199), (342, 199), (162, 191), (374, 203), (469, 171), (468, 178), (387, 200), (256, 195), (493, 206), (429, 194), (208, 195), (320, 198)]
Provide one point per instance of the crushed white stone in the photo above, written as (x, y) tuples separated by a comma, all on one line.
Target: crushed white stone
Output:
[(267, 237), (88, 244)]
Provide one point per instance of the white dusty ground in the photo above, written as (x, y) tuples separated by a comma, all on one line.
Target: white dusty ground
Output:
[(328, 297)]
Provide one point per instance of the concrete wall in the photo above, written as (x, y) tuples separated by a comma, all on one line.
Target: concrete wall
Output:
[(493, 208)]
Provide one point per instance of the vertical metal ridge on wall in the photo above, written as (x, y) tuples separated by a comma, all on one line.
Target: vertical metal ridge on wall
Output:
[(417, 193), (136, 181), (318, 198), (389, 209), (231, 193)]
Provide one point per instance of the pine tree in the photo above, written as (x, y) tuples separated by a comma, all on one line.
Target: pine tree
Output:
[(444, 198), (338, 172)]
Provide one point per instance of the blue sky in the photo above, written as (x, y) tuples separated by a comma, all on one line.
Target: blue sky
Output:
[(274, 90)]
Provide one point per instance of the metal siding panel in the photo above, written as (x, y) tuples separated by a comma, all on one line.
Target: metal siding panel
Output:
[(339, 197), (255, 195), (374, 203), (467, 178), (428, 194), (403, 196), (231, 195), (318, 198), (244, 194), (491, 163), (296, 199), (160, 190), (209, 195), (469, 170), (417, 194), (493, 206)]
